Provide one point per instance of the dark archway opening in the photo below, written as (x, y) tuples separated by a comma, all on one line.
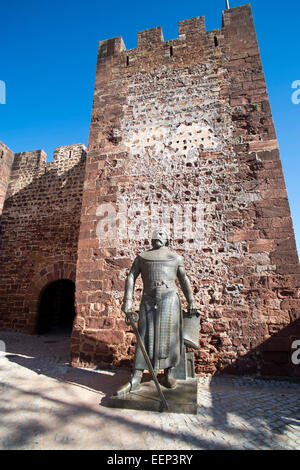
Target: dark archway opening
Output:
[(56, 311)]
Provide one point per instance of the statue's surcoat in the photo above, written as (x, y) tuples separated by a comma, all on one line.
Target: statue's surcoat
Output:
[(160, 315)]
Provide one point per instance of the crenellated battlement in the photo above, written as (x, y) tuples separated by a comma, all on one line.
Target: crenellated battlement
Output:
[(6, 156), (3, 150), (31, 160), (6, 161), (34, 160), (72, 153), (150, 38), (191, 30), (23, 168), (192, 27)]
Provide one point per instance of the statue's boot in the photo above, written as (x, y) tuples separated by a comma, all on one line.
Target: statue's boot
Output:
[(169, 379), (131, 386)]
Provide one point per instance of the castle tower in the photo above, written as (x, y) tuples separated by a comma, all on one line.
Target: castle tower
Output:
[(185, 126)]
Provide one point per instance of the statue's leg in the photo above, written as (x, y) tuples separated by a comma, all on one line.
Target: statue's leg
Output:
[(132, 385), (169, 379), (136, 379)]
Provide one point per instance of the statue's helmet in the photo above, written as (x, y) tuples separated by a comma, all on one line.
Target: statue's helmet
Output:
[(161, 234)]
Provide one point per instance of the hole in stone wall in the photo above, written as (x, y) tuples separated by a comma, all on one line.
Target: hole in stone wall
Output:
[(70, 154), (127, 60), (171, 51), (216, 41), (56, 311), (216, 341)]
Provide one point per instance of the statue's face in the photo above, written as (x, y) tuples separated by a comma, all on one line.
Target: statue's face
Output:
[(159, 238)]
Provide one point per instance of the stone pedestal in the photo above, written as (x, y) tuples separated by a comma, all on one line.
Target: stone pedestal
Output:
[(182, 399)]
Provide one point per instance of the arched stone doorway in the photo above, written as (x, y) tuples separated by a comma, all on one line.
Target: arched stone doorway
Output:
[(56, 311)]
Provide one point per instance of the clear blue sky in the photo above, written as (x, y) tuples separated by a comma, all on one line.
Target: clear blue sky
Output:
[(48, 53)]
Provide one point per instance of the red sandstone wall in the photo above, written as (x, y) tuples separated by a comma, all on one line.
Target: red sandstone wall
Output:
[(188, 121), (6, 160), (39, 230)]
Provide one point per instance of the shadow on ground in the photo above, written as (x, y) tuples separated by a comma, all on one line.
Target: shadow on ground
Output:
[(232, 412), (48, 355)]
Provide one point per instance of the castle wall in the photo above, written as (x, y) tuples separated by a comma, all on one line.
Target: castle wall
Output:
[(6, 160), (39, 230), (187, 124)]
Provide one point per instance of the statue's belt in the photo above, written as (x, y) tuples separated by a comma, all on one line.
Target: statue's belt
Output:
[(156, 299), (160, 284)]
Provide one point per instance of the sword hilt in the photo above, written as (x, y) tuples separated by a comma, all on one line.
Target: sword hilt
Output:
[(134, 316)]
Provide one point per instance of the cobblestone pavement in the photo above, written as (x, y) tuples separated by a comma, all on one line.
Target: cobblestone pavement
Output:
[(45, 404)]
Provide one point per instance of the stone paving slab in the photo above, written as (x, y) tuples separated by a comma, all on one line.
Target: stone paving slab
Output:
[(46, 404)]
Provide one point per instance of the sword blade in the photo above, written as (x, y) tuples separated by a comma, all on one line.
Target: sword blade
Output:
[(147, 359)]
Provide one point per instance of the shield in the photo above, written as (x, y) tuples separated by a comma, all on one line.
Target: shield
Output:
[(191, 327)]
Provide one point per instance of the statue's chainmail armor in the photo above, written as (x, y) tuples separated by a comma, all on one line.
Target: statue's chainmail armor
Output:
[(160, 316)]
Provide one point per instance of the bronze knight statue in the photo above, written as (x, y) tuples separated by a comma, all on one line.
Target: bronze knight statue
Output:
[(160, 322)]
